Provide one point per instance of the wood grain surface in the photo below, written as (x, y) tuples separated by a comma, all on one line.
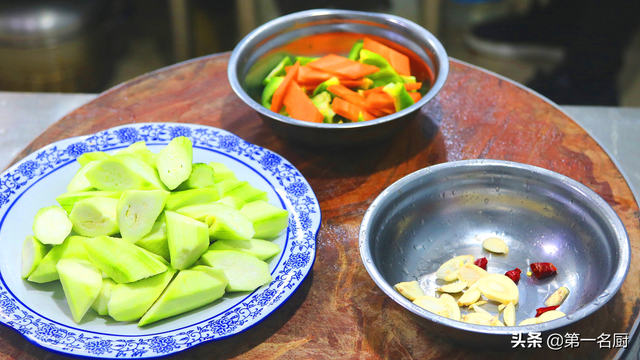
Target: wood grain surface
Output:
[(339, 313)]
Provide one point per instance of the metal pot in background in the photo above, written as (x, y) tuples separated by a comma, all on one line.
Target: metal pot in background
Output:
[(58, 45)]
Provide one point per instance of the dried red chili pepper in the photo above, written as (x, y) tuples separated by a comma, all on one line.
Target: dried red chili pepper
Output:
[(543, 310), (481, 263), (543, 269), (514, 275)]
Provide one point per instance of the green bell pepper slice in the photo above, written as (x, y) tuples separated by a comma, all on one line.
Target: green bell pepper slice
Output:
[(400, 95), (267, 93), (408, 79), (278, 70), (304, 60), (324, 85), (385, 75), (354, 54), (323, 102)]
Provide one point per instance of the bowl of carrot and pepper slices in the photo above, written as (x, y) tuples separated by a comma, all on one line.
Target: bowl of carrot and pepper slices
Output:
[(333, 77)]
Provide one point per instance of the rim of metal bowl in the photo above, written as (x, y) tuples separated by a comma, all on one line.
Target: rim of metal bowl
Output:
[(611, 216), (263, 32)]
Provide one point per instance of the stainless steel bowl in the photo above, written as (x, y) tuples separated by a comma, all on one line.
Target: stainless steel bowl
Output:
[(258, 53), (446, 210)]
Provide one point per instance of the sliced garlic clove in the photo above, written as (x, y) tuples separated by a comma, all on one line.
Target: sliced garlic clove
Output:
[(509, 315), (477, 308), (477, 318), (551, 315), (530, 321), (452, 307), (411, 290), (495, 245), (471, 273), (500, 288), (479, 303), (447, 271), (558, 297), (453, 288), (469, 297), (501, 307), (432, 304), (495, 321)]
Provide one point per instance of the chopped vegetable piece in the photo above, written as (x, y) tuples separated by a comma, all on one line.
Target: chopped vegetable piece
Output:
[(261, 249), (354, 53), (499, 288), (449, 270), (341, 66), (380, 103), (101, 302), (174, 162), (510, 315), (278, 96), (349, 110), (323, 87), (310, 76), (401, 98), (221, 172), (551, 315), (413, 86), (530, 321), (299, 106), (71, 248), (278, 70), (514, 275), (81, 283), (452, 307), (268, 220), (385, 75), (187, 239), (33, 251), (558, 297), (475, 307), (432, 304), (79, 182), (471, 273), (347, 94), (137, 211), (411, 290), (201, 177), (409, 87), (180, 199), (270, 89), (51, 225), (469, 297), (408, 79), (95, 217), (245, 272), (323, 102), (399, 61), (190, 290), (543, 269), (542, 310), (68, 200), (495, 245), (453, 288), (477, 318), (129, 302), (416, 96), (481, 263)]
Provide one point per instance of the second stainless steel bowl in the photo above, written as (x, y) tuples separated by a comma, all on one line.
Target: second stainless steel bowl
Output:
[(442, 211), (252, 59)]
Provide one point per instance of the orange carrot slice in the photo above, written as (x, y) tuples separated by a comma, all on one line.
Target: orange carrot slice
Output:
[(309, 75), (415, 96), (413, 86), (342, 66), (398, 61), (380, 101), (349, 111), (347, 94), (278, 96), (299, 106)]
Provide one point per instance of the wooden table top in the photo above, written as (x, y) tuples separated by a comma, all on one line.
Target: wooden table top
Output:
[(339, 312)]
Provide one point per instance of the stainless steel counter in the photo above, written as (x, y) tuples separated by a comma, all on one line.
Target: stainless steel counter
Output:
[(23, 116)]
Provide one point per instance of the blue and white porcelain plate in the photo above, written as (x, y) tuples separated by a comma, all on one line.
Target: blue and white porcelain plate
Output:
[(40, 312)]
